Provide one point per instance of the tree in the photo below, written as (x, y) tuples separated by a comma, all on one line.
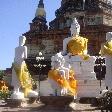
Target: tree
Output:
[(1, 74)]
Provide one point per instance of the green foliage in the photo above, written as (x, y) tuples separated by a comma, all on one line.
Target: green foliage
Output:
[(106, 100), (4, 94)]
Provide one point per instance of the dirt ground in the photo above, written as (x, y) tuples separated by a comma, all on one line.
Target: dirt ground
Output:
[(39, 107)]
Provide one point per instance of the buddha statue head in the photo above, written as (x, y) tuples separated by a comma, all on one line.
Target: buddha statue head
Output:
[(57, 61), (22, 40), (75, 28), (109, 36)]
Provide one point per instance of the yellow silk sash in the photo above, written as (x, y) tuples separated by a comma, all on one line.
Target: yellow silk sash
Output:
[(24, 77)]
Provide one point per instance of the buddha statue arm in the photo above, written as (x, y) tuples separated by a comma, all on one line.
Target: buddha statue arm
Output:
[(85, 46), (25, 52), (65, 42), (64, 46), (62, 73)]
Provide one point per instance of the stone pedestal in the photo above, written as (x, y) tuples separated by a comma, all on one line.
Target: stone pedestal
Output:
[(57, 102), (88, 85), (32, 100), (88, 88), (16, 102)]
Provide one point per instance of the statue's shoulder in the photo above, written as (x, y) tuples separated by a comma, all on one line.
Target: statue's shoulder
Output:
[(68, 38), (25, 47), (20, 47)]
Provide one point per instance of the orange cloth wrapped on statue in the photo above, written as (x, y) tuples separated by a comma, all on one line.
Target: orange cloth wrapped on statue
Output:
[(70, 84)]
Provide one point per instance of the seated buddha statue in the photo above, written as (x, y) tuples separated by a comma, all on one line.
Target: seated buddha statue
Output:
[(75, 45), (61, 78)]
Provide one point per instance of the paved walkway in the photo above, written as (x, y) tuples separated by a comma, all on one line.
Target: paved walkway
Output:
[(38, 107)]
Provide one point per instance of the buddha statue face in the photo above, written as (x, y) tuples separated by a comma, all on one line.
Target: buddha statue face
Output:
[(109, 36), (75, 28), (57, 61), (22, 40)]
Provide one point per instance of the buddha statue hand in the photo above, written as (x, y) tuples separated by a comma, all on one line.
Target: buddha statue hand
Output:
[(64, 91)]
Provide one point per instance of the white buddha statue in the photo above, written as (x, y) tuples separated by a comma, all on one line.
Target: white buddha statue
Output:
[(20, 74), (75, 30), (106, 50), (80, 46), (60, 77)]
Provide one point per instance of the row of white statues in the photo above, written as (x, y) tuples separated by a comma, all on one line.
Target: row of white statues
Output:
[(72, 71)]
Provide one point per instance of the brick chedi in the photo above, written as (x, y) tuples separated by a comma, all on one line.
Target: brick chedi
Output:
[(42, 39), (94, 16)]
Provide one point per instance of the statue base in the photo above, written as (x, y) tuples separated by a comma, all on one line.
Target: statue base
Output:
[(32, 100), (57, 101), (16, 102)]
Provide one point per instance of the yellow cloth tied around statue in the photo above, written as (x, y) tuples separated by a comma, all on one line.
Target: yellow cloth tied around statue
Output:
[(106, 49), (78, 46), (70, 84), (24, 77)]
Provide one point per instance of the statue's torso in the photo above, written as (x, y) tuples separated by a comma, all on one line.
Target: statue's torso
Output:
[(19, 54)]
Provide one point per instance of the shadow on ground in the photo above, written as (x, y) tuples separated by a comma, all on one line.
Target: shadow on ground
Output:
[(36, 107)]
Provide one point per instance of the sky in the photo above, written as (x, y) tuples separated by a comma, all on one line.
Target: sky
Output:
[(15, 16)]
